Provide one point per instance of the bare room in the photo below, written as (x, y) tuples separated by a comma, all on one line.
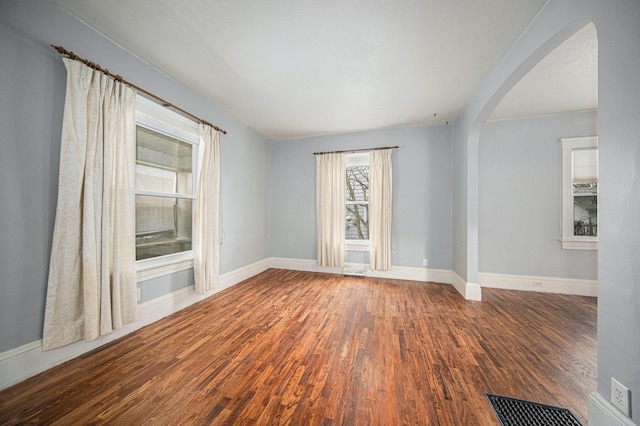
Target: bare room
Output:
[(338, 212)]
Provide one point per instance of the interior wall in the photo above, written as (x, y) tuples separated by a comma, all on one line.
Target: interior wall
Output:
[(421, 194), (463, 264), (618, 31), (32, 88), (520, 197)]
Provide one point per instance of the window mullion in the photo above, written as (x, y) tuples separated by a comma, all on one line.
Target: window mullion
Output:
[(166, 195)]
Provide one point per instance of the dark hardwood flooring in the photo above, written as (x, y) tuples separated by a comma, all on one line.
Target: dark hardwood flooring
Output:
[(287, 347)]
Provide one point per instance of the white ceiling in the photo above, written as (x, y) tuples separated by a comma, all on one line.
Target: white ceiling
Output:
[(293, 69), (566, 80)]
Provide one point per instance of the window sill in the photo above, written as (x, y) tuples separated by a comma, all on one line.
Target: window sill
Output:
[(357, 245), (163, 265), (573, 244)]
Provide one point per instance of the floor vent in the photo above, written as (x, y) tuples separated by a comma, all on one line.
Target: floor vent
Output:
[(516, 412), (353, 270)]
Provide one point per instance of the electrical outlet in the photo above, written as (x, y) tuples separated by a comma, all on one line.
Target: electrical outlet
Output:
[(537, 284), (621, 397), (425, 262)]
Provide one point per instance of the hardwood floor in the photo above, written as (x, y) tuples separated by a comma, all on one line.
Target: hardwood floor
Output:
[(289, 347)]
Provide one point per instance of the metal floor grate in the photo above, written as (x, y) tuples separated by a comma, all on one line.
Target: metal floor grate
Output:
[(516, 412)]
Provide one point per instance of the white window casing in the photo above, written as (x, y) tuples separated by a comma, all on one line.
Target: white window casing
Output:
[(572, 171), (157, 118), (359, 159)]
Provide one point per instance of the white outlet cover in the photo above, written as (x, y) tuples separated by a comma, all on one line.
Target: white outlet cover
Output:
[(620, 397)]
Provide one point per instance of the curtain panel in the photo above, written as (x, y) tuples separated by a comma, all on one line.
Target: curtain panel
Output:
[(206, 221), (92, 276), (330, 208), (380, 209)]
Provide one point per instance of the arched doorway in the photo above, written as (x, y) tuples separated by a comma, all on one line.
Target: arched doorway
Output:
[(520, 174)]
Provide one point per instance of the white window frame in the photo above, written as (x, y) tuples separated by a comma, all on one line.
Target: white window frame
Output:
[(353, 160), (159, 119), (570, 241)]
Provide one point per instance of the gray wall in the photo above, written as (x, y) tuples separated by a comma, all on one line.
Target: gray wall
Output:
[(616, 22), (421, 194), (32, 87), (520, 197), (461, 219)]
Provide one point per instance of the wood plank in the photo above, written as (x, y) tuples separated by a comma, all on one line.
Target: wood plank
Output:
[(288, 347)]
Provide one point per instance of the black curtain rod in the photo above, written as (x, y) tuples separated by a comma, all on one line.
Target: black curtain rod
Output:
[(356, 150), (61, 50)]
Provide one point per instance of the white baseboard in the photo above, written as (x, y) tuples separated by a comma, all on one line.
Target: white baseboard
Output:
[(603, 413), (468, 290), (397, 272), (238, 275), (539, 284), (25, 361)]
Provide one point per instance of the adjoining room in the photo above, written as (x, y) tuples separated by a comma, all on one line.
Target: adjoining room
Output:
[(343, 212)]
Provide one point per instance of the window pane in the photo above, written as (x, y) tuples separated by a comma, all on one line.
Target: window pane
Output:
[(584, 165), (585, 215), (358, 183), (154, 179), (163, 163), (163, 226), (584, 174), (357, 222)]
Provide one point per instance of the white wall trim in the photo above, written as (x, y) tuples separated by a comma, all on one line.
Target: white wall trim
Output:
[(570, 241), (25, 361), (238, 275), (468, 290), (147, 272), (20, 350), (397, 272), (572, 286), (575, 244), (458, 283), (474, 292), (603, 413)]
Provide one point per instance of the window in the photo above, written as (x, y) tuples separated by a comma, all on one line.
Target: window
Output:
[(164, 194), (357, 202), (166, 159), (580, 193)]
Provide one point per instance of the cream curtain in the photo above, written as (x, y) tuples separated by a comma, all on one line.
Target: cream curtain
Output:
[(206, 222), (380, 198), (92, 276), (330, 205)]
